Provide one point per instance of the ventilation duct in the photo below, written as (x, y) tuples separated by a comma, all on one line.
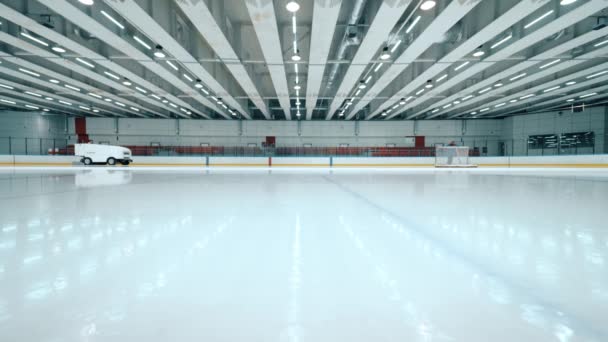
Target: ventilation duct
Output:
[(351, 37)]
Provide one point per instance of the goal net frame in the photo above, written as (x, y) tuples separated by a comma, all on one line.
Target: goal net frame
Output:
[(453, 157)]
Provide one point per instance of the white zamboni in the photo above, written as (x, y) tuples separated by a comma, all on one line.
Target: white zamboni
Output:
[(106, 154)]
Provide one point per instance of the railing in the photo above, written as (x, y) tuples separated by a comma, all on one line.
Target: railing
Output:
[(479, 147)]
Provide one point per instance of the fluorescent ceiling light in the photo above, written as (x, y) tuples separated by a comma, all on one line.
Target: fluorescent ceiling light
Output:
[(172, 65), (135, 109), (411, 27), (420, 92), (48, 98), (107, 100), (567, 2), (571, 83), (435, 111), (517, 77), (587, 95), (485, 90), (86, 2), (65, 102), (378, 67), (467, 97), (526, 96), (85, 62), (358, 92), (550, 64), (188, 77), (601, 43), (498, 85), (597, 74), (427, 5), (462, 65), (293, 25), (500, 42), (395, 46), (32, 107), (513, 101), (7, 101), (71, 87), (292, 6), (447, 106), (442, 78), (32, 93), (111, 75), (500, 105), (141, 90), (95, 95), (295, 67), (368, 79), (30, 37), (120, 104), (6, 86), (142, 43), (54, 81), (570, 100), (85, 108), (172, 105), (551, 89), (29, 72), (538, 19), (116, 22), (396, 106), (483, 110), (204, 91), (155, 96)]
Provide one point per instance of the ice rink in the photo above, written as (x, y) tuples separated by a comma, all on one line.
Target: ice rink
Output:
[(104, 254)]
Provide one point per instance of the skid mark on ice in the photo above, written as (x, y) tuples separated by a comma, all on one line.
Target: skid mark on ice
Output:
[(564, 321)]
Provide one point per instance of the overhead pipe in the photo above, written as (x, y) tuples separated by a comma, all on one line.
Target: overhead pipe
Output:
[(347, 40)]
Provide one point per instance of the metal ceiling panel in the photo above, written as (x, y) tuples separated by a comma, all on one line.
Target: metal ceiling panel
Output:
[(205, 23), (518, 68), (131, 11), (547, 85), (325, 16), (385, 20), (455, 11), (81, 19), (553, 27), (543, 74), (508, 19), (54, 95), (264, 22)]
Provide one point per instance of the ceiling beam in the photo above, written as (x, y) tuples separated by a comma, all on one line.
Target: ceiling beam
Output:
[(137, 16), (455, 11), (531, 76), (385, 20), (544, 86), (324, 18), (43, 102), (203, 20), (81, 19), (62, 89), (265, 25), (568, 19), (55, 37)]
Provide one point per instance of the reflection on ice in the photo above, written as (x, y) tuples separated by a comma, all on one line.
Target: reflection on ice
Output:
[(102, 177), (350, 255)]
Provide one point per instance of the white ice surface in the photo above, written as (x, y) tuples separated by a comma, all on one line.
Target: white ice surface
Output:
[(487, 255)]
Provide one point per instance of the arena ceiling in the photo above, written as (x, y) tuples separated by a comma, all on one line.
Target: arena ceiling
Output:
[(304, 59)]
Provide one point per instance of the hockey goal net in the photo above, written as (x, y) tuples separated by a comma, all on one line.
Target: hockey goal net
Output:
[(452, 156)]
